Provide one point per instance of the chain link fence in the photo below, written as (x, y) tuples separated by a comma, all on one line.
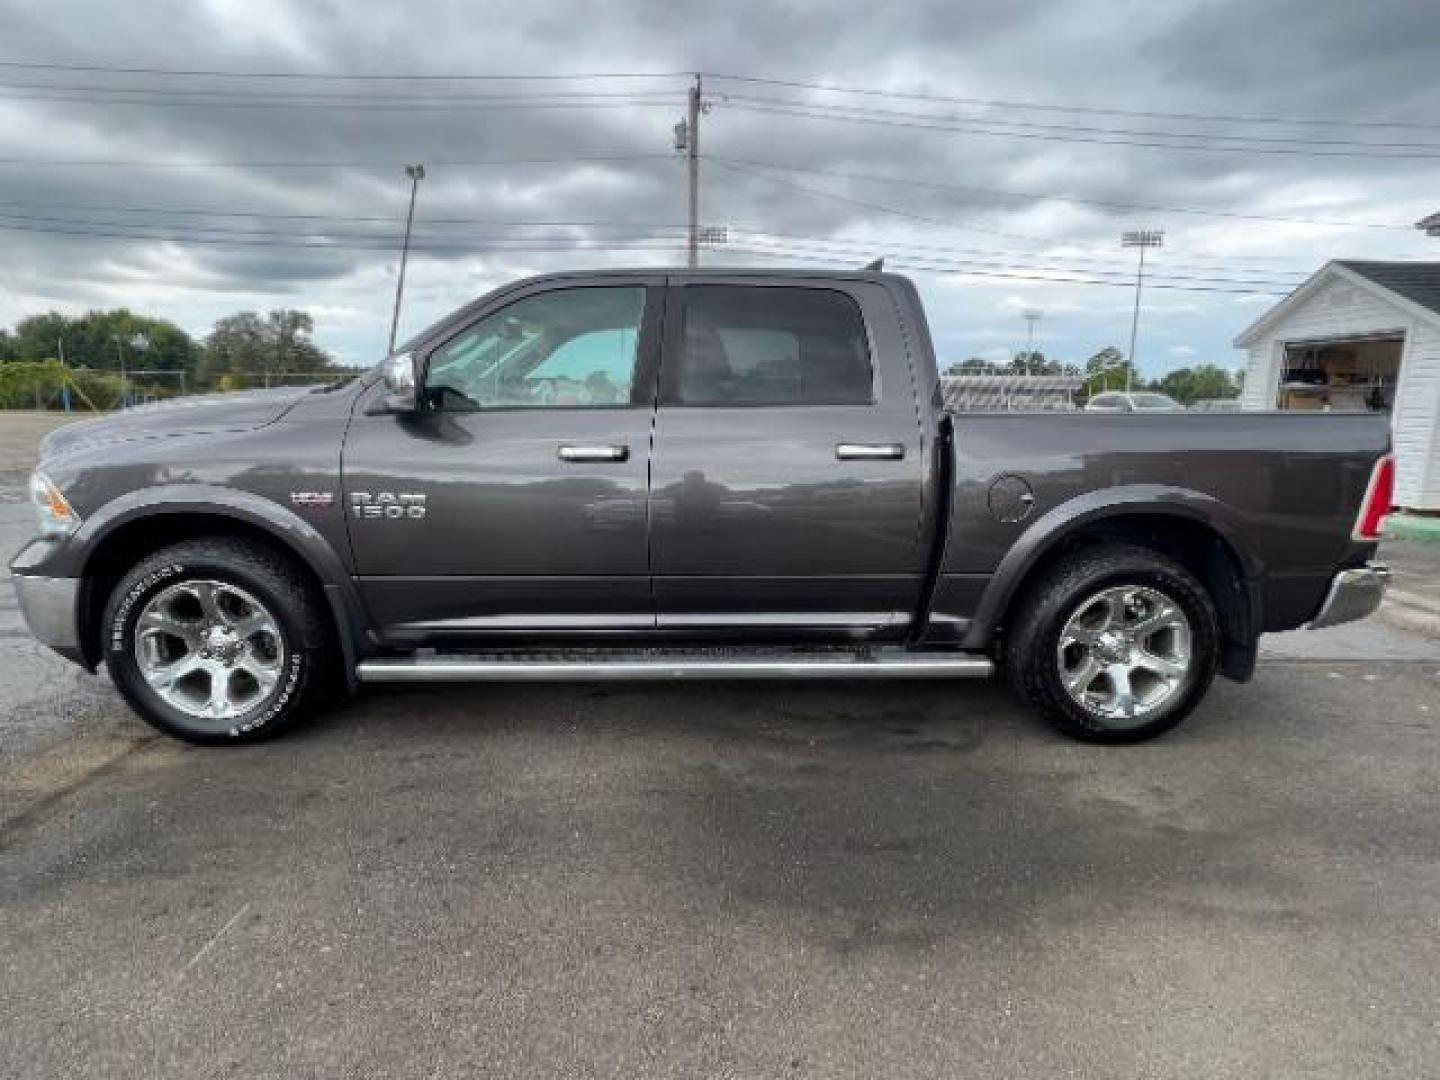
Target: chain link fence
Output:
[(50, 385)]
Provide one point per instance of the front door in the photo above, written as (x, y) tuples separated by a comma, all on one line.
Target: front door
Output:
[(515, 501), (786, 488)]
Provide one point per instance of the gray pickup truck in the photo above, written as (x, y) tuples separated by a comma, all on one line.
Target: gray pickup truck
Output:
[(687, 475)]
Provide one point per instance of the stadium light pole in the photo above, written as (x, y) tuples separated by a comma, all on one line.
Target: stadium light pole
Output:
[(1031, 316), (1142, 239), (416, 173)]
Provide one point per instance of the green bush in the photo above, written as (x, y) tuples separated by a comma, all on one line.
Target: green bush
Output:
[(26, 383)]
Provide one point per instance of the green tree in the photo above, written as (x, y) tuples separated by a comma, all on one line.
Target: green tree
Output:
[(1107, 370), (39, 336), (1187, 385), (102, 339), (247, 349)]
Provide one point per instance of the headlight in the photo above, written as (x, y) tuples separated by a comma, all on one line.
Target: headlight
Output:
[(57, 518)]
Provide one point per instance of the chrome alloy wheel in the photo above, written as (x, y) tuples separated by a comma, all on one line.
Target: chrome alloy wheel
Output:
[(1124, 653), (209, 649)]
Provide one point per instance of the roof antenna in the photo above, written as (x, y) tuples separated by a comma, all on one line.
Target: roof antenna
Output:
[(877, 264)]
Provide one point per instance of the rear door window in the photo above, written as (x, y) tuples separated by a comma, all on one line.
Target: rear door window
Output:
[(770, 345)]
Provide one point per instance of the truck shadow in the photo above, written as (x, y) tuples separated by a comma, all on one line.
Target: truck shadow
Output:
[(848, 819), (862, 817)]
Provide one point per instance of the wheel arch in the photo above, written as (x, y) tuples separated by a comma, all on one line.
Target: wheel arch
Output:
[(145, 521), (1196, 530)]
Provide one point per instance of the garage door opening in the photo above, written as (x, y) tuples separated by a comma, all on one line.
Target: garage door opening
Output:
[(1353, 375)]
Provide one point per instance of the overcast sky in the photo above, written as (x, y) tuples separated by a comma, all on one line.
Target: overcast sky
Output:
[(267, 191)]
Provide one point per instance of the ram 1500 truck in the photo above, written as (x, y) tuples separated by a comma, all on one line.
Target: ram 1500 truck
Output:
[(683, 475)]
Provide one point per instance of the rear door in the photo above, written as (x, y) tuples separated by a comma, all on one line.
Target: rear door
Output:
[(787, 467)]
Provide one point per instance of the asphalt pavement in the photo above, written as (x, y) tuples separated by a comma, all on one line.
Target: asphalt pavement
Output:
[(760, 880)]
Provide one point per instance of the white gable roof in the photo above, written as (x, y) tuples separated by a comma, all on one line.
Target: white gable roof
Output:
[(1331, 271)]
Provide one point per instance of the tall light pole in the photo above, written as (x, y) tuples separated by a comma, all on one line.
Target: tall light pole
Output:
[(416, 173), (1031, 316), (1142, 239)]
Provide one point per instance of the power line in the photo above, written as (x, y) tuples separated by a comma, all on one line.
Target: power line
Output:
[(315, 238), (1123, 276), (726, 163), (377, 105), (906, 181), (856, 247), (935, 266), (1147, 114), (152, 164), (214, 235), (803, 254), (858, 112), (330, 95), (796, 84), (863, 244), (898, 120), (385, 219), (329, 76), (380, 244)]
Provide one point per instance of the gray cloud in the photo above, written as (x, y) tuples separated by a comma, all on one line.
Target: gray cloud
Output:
[(1291, 58)]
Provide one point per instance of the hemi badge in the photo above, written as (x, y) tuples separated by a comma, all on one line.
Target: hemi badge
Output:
[(314, 499)]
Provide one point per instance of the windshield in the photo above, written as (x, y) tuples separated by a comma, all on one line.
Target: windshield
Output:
[(1158, 402)]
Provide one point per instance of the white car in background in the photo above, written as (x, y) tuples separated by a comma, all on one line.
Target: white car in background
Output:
[(1142, 401)]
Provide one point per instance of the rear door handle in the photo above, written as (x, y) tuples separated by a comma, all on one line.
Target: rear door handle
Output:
[(849, 451), (597, 452)]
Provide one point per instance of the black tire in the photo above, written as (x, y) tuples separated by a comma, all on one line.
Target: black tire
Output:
[(1033, 635), (267, 576)]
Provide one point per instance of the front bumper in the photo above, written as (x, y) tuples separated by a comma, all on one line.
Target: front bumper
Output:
[(51, 609), (1353, 595)]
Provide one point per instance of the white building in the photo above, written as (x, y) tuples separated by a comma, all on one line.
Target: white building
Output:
[(1359, 336)]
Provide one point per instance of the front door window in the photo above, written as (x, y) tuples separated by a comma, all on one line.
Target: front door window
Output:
[(569, 348)]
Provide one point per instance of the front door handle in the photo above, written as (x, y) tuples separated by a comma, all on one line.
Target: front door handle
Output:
[(595, 452), (848, 451)]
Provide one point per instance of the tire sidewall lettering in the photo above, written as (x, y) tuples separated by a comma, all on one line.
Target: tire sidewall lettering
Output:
[(295, 668), (119, 645), (121, 621)]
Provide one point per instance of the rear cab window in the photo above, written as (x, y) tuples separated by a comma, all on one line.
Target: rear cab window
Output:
[(743, 345)]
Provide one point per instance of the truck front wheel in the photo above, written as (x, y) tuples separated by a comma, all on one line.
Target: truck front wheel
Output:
[(1114, 644), (215, 641)]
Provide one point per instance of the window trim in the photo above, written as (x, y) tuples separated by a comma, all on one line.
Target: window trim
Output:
[(647, 346), (672, 363)]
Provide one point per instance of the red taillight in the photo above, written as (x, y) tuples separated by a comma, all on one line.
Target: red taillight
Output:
[(1378, 500)]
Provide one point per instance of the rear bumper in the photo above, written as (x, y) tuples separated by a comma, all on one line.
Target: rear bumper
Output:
[(50, 606), (1353, 594)]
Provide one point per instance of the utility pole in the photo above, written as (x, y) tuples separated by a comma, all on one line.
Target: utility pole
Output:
[(1142, 239), (416, 173), (687, 138)]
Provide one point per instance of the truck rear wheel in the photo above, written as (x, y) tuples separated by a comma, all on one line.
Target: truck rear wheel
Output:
[(215, 641), (1114, 644)]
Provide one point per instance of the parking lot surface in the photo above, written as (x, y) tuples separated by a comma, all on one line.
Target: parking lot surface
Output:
[(734, 880)]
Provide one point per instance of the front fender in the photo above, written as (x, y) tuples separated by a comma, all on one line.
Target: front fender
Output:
[(1060, 522), (76, 556)]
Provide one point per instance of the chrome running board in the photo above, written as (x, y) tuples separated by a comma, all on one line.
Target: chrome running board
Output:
[(616, 666)]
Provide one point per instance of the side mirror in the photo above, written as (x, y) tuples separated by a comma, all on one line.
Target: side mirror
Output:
[(399, 375)]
